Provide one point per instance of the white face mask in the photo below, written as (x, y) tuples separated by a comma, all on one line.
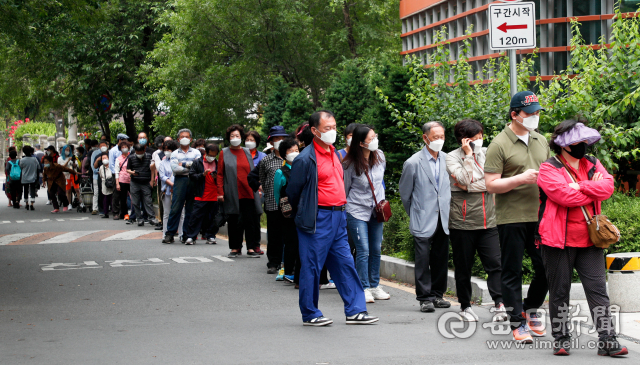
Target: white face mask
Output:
[(276, 145), (373, 145), (436, 146), (329, 137), (250, 145), (477, 146), (530, 123), (210, 158), (48, 153), (103, 149), (235, 142), (292, 156), (125, 150), (140, 156), (348, 141), (105, 162), (185, 141)]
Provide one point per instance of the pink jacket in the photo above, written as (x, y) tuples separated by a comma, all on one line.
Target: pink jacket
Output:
[(556, 197)]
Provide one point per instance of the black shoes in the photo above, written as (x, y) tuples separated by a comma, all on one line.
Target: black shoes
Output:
[(318, 322), (361, 318), (562, 346), (232, 254), (168, 239), (272, 270), (254, 255), (609, 346), (427, 306), (140, 223), (441, 303)]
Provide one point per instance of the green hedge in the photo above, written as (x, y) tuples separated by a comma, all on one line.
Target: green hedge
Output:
[(39, 128), (622, 210)]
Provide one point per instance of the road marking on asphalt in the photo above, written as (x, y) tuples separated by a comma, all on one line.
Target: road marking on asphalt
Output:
[(222, 258), (5, 240), (80, 219), (123, 263), (60, 220), (190, 259), (19, 221), (128, 235), (67, 237), (5, 222), (39, 220), (55, 266)]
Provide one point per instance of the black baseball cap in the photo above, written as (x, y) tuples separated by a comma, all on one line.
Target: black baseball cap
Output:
[(527, 101)]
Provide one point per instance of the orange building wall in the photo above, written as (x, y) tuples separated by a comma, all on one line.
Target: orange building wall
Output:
[(408, 7)]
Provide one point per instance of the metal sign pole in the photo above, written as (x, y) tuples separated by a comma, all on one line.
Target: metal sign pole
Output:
[(513, 72)]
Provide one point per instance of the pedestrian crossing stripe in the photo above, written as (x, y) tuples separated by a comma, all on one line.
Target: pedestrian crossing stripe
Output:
[(624, 262), (45, 238)]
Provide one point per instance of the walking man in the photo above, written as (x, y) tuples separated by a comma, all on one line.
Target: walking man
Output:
[(316, 193), (426, 195), (511, 172)]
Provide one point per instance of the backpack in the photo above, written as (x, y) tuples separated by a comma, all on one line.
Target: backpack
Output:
[(16, 172)]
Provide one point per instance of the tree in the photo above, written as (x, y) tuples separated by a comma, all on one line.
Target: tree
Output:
[(349, 94), (297, 110), (276, 104)]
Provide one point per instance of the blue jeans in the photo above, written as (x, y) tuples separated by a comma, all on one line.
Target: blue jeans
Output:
[(328, 246), (367, 236), (182, 196)]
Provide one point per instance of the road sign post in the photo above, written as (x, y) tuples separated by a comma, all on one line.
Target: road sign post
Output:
[(512, 26)]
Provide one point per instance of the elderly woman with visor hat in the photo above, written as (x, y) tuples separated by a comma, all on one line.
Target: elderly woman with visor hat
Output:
[(568, 181)]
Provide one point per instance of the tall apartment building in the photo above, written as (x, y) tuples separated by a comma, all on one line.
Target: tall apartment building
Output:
[(421, 19)]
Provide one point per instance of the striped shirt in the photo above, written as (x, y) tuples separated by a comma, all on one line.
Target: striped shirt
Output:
[(181, 161)]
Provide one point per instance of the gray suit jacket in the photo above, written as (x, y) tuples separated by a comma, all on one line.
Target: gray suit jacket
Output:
[(422, 201)]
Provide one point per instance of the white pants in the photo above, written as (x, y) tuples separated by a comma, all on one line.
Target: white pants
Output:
[(166, 204), (96, 192)]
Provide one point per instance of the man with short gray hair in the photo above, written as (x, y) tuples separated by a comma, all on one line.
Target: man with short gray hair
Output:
[(426, 194)]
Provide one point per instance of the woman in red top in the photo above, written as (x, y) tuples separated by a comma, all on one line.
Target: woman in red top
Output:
[(203, 173), (237, 197), (564, 236)]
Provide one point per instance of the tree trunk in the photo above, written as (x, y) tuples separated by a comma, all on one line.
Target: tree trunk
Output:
[(130, 125), (147, 117), (349, 26)]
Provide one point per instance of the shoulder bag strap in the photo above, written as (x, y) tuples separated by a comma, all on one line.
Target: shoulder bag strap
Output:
[(587, 216), (372, 189)]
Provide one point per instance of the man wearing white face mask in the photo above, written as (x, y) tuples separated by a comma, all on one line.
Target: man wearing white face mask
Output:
[(511, 172), (426, 195), (183, 196)]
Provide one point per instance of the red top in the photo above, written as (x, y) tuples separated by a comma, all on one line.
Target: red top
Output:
[(242, 171), (577, 231), (330, 178), (210, 187)]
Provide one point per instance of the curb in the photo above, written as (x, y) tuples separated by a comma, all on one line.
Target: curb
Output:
[(404, 271)]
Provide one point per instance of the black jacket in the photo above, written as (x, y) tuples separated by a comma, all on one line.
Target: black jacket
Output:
[(142, 167), (196, 175)]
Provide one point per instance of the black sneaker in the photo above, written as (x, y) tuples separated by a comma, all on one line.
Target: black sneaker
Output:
[(609, 346), (140, 223), (441, 303), (318, 322), (183, 238), (272, 270), (427, 306), (31, 207), (128, 221), (26, 207), (253, 254), (168, 239), (105, 216), (562, 346), (362, 318), (232, 254), (211, 241)]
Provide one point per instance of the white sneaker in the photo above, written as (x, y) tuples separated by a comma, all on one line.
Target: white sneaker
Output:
[(368, 296), (468, 315), (189, 241), (379, 294), (329, 285), (500, 313)]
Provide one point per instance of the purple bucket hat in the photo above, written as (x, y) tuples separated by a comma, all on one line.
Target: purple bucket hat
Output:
[(577, 134)]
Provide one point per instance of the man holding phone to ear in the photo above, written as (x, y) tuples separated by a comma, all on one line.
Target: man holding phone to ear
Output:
[(511, 172)]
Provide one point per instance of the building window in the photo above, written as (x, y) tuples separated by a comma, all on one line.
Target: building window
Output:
[(560, 9), (629, 6), (591, 31), (559, 62), (581, 8), (560, 34)]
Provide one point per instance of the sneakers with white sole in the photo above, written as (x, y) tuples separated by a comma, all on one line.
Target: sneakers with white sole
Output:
[(379, 294), (189, 241), (318, 322), (361, 318), (468, 315), (368, 296), (329, 285), (500, 313)]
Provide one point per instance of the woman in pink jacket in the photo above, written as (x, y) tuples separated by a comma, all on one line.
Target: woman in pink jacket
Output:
[(564, 236)]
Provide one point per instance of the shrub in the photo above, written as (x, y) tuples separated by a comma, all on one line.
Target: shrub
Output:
[(624, 211), (38, 128)]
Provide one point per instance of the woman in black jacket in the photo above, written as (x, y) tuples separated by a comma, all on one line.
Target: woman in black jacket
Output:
[(203, 174)]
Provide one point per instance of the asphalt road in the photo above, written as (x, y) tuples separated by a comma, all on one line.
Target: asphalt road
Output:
[(168, 310)]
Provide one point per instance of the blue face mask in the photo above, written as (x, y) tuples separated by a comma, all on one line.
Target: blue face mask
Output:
[(47, 165), (142, 141)]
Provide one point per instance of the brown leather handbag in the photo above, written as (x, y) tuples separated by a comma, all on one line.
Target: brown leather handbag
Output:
[(383, 209), (602, 232)]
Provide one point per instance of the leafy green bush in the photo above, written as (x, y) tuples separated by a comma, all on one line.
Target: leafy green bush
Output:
[(624, 211), (397, 240), (32, 128)]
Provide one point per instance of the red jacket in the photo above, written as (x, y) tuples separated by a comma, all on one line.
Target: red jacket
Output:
[(556, 197)]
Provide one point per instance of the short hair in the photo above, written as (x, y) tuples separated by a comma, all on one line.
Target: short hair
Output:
[(199, 142), (87, 142), (467, 128), (80, 149), (138, 147), (286, 143), (426, 128), (185, 130), (27, 150), (517, 110), (306, 136), (560, 129), (94, 142), (103, 154), (350, 128), (255, 136), (122, 144), (211, 147), (171, 145), (48, 158), (235, 127), (104, 141), (13, 154), (314, 119), (158, 140)]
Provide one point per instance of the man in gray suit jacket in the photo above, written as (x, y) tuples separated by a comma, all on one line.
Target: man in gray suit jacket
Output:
[(425, 194)]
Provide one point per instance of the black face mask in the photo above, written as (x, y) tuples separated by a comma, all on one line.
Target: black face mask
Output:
[(578, 151)]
